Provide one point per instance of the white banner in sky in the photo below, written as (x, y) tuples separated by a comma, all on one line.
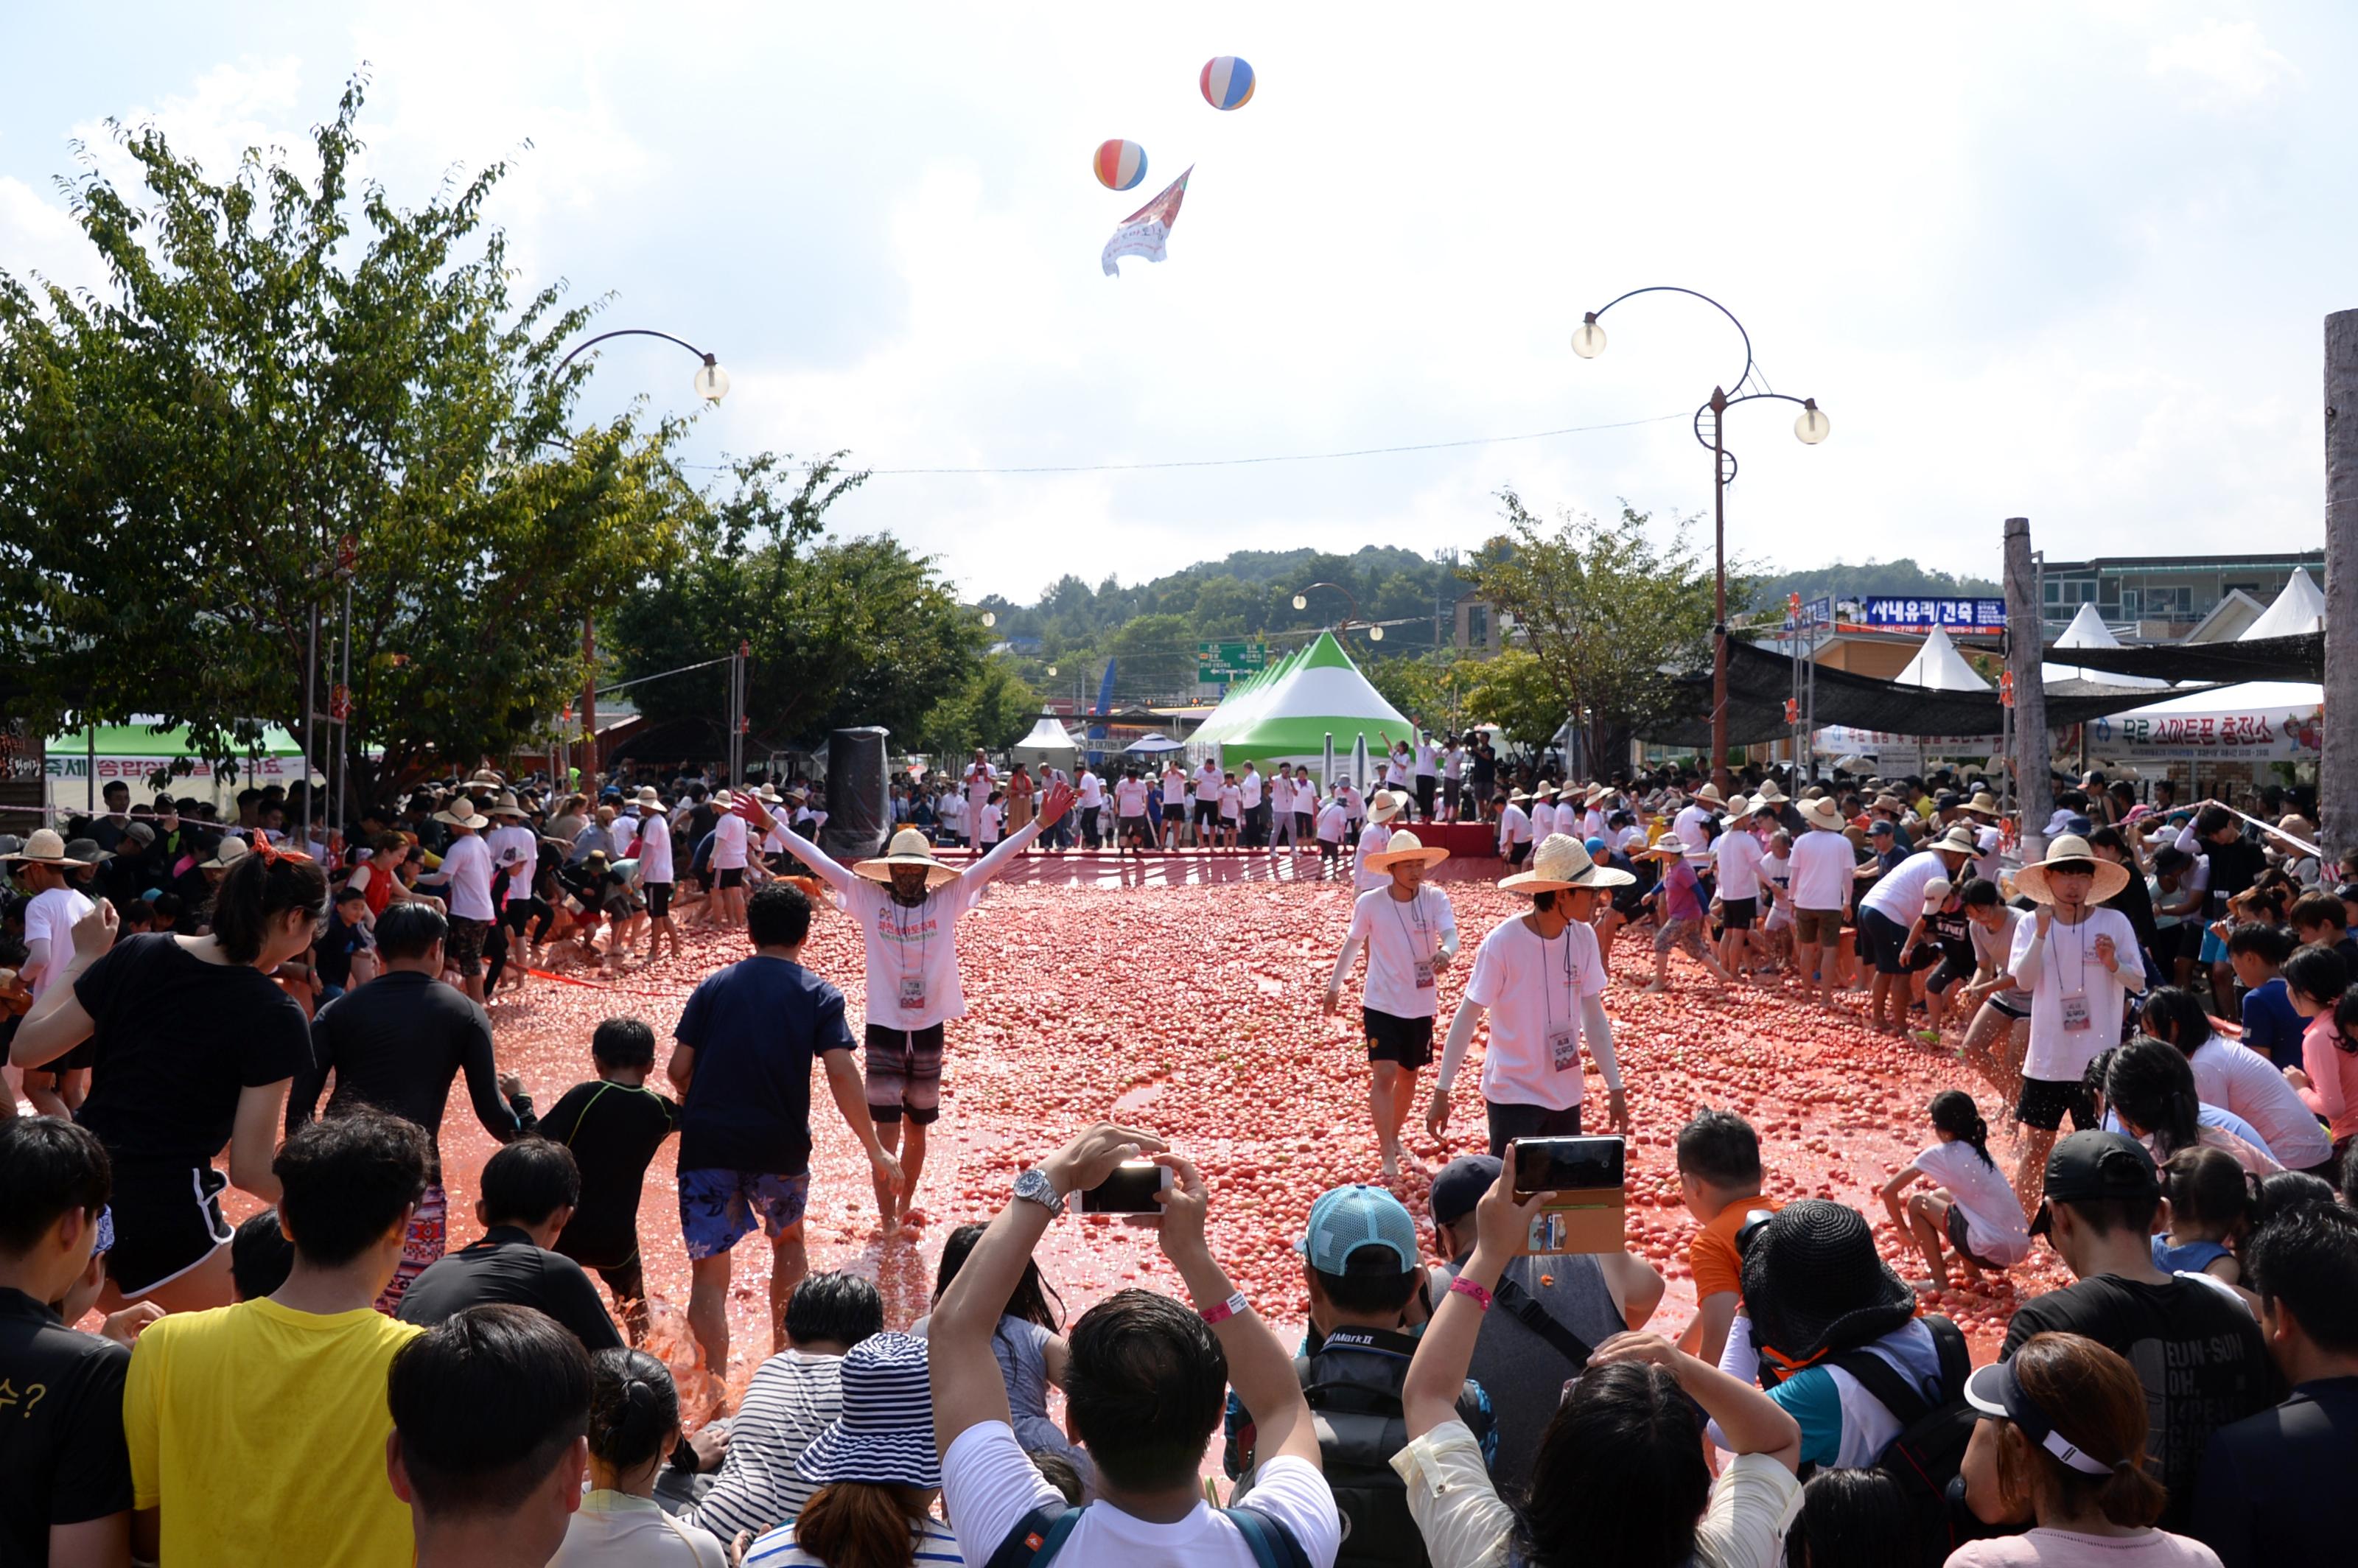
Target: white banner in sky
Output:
[(1142, 233)]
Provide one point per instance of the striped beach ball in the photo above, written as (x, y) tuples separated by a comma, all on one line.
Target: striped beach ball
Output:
[(1228, 82), (1120, 165)]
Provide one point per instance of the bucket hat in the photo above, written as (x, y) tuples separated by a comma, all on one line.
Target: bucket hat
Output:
[(1814, 1282), (885, 1434), (1562, 861), (908, 847), (2033, 879)]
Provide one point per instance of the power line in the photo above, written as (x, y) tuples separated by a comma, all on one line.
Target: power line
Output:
[(1247, 462)]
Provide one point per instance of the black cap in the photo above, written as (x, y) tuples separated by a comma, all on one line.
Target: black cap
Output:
[(2092, 1165), (1459, 1185), (1948, 800)]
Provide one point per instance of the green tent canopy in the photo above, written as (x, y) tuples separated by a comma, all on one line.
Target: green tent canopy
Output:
[(144, 741), (1285, 714)]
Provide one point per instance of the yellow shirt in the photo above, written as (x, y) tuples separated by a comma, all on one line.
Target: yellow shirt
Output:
[(260, 1432)]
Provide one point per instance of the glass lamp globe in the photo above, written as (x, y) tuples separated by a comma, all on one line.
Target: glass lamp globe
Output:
[(1301, 601), (1375, 633), (990, 618), (1052, 672), (711, 382), (1588, 339), (1811, 426)]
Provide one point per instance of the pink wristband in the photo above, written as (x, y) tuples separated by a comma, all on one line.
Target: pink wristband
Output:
[(1465, 1287), (1227, 1309)]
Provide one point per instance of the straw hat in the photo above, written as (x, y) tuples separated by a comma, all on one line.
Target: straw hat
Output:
[(461, 813), (227, 854), (1518, 797), (1984, 804), (1769, 793), (647, 795), (505, 806), (1406, 846), (1669, 847), (1742, 808), (2111, 877), (486, 775), (1957, 841), (1543, 791), (1562, 861), (1383, 806), (1709, 795), (1824, 813), (908, 847), (46, 846)]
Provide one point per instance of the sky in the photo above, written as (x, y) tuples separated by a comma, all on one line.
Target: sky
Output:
[(2063, 261)]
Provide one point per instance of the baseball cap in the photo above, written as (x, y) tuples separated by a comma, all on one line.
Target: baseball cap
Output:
[(1459, 1185), (2095, 1164), (1345, 1219), (1880, 830), (1936, 893)]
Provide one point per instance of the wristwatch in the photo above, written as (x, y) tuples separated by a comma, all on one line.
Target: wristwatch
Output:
[(1033, 1184)]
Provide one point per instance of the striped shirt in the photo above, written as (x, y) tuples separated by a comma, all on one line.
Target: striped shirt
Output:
[(790, 1402), (934, 1544)]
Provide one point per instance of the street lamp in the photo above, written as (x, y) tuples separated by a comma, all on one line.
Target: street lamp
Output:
[(711, 383), (1302, 601), (1810, 427)]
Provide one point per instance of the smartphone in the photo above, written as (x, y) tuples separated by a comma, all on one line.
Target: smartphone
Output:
[(1589, 1211), (1130, 1189)]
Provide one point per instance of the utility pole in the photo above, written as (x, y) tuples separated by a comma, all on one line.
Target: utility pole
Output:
[(2026, 643), (2337, 775)]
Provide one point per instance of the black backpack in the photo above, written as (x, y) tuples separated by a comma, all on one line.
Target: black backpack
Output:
[(1927, 1455)]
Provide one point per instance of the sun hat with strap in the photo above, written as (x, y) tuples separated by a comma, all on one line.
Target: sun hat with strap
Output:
[(909, 847)]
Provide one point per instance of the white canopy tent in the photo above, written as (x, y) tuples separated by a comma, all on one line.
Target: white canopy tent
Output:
[(2300, 608), (1938, 667), (1047, 746), (1151, 746), (2088, 630)]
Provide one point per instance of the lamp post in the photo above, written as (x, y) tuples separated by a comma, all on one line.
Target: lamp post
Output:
[(1810, 427), (1302, 601), (711, 383)]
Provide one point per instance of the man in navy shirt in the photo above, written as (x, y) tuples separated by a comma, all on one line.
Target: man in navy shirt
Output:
[(2273, 1486), (743, 1067)]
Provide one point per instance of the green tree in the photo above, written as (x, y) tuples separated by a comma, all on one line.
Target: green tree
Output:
[(1155, 655), (840, 632), (1612, 613), (1430, 687), (188, 459), (992, 707), (1512, 690)]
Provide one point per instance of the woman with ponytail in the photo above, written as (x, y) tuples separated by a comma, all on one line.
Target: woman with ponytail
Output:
[(877, 1470), (634, 1427), (1972, 1204), (2318, 980), (2062, 1446), (2149, 1088), (2232, 1077), (192, 1048)]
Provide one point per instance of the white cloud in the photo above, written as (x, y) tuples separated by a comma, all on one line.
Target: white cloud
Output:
[(2230, 63)]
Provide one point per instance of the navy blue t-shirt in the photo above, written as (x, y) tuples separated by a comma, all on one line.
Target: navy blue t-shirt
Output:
[(2271, 1025), (755, 1027)]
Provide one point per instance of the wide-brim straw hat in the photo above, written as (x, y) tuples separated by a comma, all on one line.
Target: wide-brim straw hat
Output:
[(647, 795), (461, 814), (1406, 846), (1958, 842), (1983, 803), (1669, 847), (885, 1434), (908, 847), (1814, 1282), (2111, 876), (1709, 795), (506, 806), (1742, 808), (1824, 813), (45, 846), (1518, 797), (1384, 805), (228, 853), (1562, 861), (1769, 793)]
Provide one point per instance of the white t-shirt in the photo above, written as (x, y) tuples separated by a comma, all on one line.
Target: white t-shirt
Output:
[(1453, 762), (1533, 992), (1333, 822), (1353, 804), (1208, 783), (516, 848), (1900, 896), (1130, 798), (1736, 854), (992, 815), (1396, 768), (729, 842), (2069, 968), (1428, 758), (989, 1484), (911, 952), (1090, 791), (654, 854), (1823, 864), (1400, 936), (951, 809), (51, 916), (1986, 865), (1776, 876), (1514, 828), (1372, 839), (616, 1528), (626, 838), (1542, 816), (1248, 785), (1993, 1221), (1281, 794), (2238, 1079), (1231, 801), (980, 777), (1692, 825), (1175, 785), (468, 863)]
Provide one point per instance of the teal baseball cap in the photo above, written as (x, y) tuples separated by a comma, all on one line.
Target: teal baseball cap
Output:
[(1345, 1219)]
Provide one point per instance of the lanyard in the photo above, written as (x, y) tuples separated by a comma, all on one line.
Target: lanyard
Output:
[(1416, 911), (1547, 986)]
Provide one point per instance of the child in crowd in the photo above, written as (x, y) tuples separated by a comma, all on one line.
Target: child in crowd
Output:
[(2209, 1214), (993, 814), (1718, 1156), (1334, 823), (1032, 1354), (1973, 1205), (1678, 903), (613, 1124), (2271, 1027)]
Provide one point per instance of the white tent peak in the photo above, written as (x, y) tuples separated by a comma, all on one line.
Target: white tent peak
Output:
[(2299, 609), (2087, 631), (1938, 667)]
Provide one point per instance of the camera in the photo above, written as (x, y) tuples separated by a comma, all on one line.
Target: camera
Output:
[(1130, 1189)]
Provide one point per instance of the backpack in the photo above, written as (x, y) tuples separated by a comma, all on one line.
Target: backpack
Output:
[(1926, 1456), (1040, 1535), (1353, 1388)]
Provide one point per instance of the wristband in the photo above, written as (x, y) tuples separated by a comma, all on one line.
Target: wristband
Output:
[(1463, 1286), (1227, 1309)]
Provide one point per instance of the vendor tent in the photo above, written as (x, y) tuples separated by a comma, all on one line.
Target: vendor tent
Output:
[(2088, 630), (2299, 608), (1938, 667), (84, 761), (1151, 746), (1047, 746), (1285, 714)]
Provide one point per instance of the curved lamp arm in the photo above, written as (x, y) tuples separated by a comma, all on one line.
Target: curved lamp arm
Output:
[(1589, 341), (633, 333)]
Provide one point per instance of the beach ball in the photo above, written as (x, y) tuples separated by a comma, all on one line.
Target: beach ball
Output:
[(1228, 82), (1120, 165)]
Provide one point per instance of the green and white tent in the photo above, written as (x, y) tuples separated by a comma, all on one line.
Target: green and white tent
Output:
[(1285, 713)]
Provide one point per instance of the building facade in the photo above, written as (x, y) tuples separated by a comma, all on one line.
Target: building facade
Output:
[(2161, 598)]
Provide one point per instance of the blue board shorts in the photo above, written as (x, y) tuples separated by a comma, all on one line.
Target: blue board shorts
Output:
[(717, 1208)]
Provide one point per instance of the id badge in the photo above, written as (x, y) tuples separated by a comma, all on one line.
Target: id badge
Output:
[(1563, 1049), (1424, 974), (913, 992), (2075, 1014)]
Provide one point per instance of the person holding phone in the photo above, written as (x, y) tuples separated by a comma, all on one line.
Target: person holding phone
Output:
[(1411, 935), (1540, 979)]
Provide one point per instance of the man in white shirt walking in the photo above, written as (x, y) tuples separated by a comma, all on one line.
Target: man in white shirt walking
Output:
[(1825, 870), (1089, 795), (1736, 861), (1515, 830), (728, 858), (466, 871), (1373, 838), (1890, 908), (1411, 935)]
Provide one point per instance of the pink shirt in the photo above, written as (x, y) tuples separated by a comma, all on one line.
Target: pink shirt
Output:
[(2333, 1076), (2045, 1548)]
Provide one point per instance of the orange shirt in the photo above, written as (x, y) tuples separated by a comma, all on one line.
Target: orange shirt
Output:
[(1712, 1256)]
